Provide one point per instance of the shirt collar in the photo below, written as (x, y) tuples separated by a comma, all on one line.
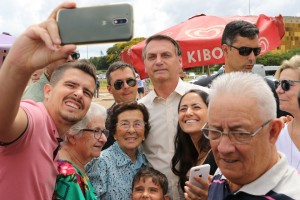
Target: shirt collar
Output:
[(180, 89), (125, 158)]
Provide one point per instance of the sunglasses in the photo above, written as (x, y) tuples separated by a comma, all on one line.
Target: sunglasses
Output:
[(245, 51), (285, 84), (75, 55), (118, 84)]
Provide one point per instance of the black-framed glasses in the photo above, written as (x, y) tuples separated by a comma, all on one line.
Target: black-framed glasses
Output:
[(245, 51), (136, 124), (118, 84), (97, 132), (236, 137), (285, 84), (75, 55)]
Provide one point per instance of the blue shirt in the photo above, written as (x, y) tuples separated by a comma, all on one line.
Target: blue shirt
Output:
[(112, 173)]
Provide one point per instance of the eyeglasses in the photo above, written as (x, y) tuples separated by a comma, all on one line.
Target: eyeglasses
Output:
[(236, 137), (118, 84), (285, 84), (97, 132), (75, 55), (136, 124), (245, 51)]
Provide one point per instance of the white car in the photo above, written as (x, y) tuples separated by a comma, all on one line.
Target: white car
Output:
[(198, 78)]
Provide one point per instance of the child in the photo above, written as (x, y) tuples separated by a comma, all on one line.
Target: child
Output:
[(149, 183)]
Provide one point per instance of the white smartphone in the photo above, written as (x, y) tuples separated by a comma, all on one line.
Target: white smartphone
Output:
[(202, 171), (97, 24)]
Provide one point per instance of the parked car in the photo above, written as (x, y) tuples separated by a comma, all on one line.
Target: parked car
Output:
[(192, 75), (101, 76), (198, 78)]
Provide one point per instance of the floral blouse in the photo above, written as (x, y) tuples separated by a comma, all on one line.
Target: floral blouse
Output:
[(71, 183), (112, 173)]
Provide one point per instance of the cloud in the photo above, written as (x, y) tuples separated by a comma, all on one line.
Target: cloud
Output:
[(150, 17)]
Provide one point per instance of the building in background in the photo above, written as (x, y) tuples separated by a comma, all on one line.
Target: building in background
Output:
[(291, 39)]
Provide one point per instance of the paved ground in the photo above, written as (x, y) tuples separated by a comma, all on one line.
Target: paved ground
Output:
[(105, 99)]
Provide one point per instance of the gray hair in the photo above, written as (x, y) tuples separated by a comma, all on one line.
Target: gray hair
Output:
[(249, 85), (161, 37), (95, 110)]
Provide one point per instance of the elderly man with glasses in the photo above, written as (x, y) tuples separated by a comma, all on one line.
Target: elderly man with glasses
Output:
[(240, 45), (242, 128)]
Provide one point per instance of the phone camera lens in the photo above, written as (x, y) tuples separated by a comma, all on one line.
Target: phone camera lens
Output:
[(120, 21)]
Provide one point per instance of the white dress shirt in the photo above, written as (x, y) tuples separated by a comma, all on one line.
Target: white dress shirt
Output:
[(159, 145)]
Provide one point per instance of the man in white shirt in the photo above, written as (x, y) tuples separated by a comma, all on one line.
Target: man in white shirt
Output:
[(163, 61)]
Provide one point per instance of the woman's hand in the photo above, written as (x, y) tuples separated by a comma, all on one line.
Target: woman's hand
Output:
[(193, 192), (286, 118)]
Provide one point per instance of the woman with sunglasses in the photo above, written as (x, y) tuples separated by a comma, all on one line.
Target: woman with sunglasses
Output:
[(191, 147), (82, 143), (112, 173), (288, 87)]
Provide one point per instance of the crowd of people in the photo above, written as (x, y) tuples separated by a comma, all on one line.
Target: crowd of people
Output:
[(55, 143)]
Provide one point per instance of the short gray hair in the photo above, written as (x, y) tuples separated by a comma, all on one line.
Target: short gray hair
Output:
[(249, 85), (95, 110)]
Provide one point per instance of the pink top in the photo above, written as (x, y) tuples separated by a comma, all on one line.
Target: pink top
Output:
[(27, 169)]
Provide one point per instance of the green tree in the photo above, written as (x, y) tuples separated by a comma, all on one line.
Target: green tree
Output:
[(113, 54), (270, 59)]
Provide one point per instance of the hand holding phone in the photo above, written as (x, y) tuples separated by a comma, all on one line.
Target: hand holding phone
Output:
[(201, 171), (96, 24)]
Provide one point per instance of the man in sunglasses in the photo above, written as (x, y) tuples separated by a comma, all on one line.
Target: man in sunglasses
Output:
[(122, 84), (240, 46), (35, 91)]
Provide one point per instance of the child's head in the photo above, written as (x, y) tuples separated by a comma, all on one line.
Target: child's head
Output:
[(150, 183)]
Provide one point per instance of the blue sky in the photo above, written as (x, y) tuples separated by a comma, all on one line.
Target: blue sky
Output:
[(150, 16)]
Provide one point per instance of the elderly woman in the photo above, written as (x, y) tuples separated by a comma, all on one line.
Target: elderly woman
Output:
[(191, 147), (112, 173), (83, 142), (288, 87)]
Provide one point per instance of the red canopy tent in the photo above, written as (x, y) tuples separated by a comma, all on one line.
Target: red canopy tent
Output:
[(200, 39)]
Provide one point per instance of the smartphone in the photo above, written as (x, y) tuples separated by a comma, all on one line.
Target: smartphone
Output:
[(97, 24), (202, 171)]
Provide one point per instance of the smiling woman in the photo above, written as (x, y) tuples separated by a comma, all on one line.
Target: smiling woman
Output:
[(82, 142), (129, 125)]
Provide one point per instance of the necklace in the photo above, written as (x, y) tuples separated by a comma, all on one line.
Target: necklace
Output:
[(292, 147)]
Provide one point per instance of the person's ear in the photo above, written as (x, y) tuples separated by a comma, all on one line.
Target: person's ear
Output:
[(109, 88), (71, 138), (180, 61), (47, 90), (225, 49), (275, 129), (166, 197), (130, 195)]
